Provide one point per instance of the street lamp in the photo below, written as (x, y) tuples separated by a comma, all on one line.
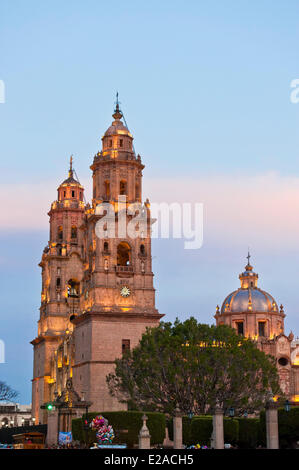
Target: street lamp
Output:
[(245, 414), (231, 412), (287, 405), (190, 415)]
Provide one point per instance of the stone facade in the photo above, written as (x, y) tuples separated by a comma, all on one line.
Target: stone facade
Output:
[(14, 415), (97, 287), (255, 314)]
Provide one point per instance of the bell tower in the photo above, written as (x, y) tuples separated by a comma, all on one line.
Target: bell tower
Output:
[(62, 273), (118, 297)]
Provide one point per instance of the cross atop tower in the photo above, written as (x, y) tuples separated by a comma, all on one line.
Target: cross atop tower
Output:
[(71, 167), (117, 112)]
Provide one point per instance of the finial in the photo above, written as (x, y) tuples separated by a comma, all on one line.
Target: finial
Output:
[(248, 258), (71, 167), (117, 112)]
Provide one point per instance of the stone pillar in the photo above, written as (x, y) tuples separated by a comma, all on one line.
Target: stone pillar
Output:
[(272, 425), (144, 435), (217, 440), (52, 428), (177, 429)]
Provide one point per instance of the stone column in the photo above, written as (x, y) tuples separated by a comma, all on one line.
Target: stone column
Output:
[(52, 428), (177, 429), (272, 425), (144, 435), (217, 441)]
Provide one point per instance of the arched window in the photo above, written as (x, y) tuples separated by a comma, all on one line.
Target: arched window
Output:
[(107, 189), (60, 233), (73, 288), (106, 247), (123, 254), (142, 249), (123, 187), (74, 232)]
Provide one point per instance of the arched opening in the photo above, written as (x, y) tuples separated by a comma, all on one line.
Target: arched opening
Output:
[(73, 288), (74, 232), (123, 254), (123, 187), (107, 189), (142, 249), (60, 233), (5, 423), (106, 247)]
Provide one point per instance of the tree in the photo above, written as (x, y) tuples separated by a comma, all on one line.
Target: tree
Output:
[(194, 366), (7, 393)]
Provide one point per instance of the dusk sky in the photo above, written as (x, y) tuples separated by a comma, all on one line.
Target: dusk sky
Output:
[(205, 87)]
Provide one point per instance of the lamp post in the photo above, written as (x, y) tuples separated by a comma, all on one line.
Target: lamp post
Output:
[(231, 412), (287, 405), (190, 415)]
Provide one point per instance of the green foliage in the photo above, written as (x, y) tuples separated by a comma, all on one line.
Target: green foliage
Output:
[(231, 430), (126, 425), (194, 366), (199, 430), (249, 433), (288, 427)]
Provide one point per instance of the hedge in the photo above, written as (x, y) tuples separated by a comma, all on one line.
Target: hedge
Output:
[(200, 428), (126, 425), (288, 427), (249, 433)]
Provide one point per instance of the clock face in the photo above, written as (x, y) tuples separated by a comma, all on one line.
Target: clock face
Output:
[(125, 291)]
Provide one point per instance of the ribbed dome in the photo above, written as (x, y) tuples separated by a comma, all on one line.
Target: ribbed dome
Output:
[(116, 128), (250, 299)]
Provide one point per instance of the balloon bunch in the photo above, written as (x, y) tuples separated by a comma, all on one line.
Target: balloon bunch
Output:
[(105, 433)]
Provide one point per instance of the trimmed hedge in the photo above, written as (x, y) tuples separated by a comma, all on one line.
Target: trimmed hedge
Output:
[(288, 427), (249, 433), (200, 428), (126, 425)]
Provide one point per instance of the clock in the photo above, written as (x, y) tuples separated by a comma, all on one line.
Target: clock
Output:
[(125, 291)]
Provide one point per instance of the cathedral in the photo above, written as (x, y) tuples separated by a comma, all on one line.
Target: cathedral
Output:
[(98, 298)]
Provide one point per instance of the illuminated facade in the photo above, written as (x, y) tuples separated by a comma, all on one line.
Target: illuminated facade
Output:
[(97, 291), (255, 314)]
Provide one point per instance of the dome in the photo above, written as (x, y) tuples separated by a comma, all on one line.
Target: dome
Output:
[(249, 297), (117, 127)]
